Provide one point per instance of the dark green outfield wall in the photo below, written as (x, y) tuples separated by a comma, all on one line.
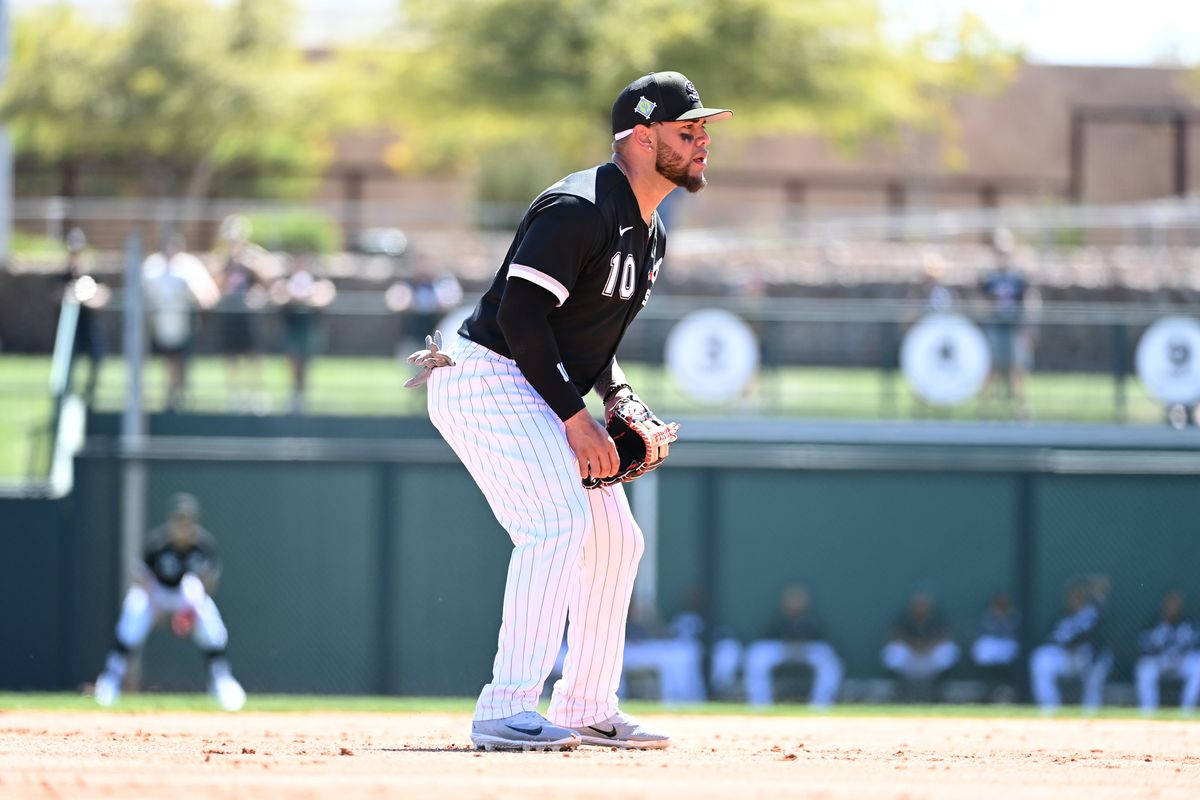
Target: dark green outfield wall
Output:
[(384, 573), (1142, 531), (337, 577), (34, 605), (861, 541)]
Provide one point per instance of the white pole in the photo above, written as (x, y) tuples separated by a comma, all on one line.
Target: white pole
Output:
[(133, 429), (645, 511)]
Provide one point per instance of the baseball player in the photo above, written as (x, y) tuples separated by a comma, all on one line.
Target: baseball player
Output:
[(920, 649), (510, 404), (177, 575), (795, 637), (675, 653), (1076, 648), (997, 648), (1171, 646)]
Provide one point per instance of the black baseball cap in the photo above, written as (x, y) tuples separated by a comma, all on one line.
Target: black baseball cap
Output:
[(659, 97)]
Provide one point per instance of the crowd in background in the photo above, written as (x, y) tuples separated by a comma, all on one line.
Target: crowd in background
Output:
[(242, 282), (919, 654), (239, 284)]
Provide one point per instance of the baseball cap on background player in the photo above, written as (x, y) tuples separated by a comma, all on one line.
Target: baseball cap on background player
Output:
[(185, 505), (659, 97)]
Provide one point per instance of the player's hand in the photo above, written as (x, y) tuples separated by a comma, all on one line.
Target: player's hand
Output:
[(595, 452)]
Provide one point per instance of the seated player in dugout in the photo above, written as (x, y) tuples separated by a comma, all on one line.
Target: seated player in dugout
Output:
[(176, 578), (508, 398), (1169, 648), (996, 649), (1075, 648), (920, 649), (795, 636)]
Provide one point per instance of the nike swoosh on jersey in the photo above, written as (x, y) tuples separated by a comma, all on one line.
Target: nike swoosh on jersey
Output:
[(623, 231)]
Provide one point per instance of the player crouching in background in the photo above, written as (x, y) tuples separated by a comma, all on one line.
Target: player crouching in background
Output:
[(177, 577)]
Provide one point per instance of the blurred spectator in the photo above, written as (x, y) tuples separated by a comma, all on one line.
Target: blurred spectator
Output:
[(794, 637), (243, 291), (1075, 649), (929, 296), (932, 294), (1170, 647), (920, 649), (177, 577), (176, 285), (422, 300), (301, 295), (996, 647), (91, 295), (675, 654), (1009, 333)]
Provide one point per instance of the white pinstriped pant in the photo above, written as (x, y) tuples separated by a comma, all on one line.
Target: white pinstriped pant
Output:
[(142, 608), (575, 551)]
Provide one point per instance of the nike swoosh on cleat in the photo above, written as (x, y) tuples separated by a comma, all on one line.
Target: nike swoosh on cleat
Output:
[(602, 732), (622, 232), (526, 731)]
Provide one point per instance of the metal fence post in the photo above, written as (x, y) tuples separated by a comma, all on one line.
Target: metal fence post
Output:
[(1025, 543), (386, 548), (1120, 370), (710, 544), (133, 429)]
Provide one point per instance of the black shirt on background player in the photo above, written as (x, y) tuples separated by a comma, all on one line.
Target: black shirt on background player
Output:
[(587, 263), (168, 560)]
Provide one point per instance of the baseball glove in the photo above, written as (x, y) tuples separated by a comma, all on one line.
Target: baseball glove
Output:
[(642, 439), (183, 621)]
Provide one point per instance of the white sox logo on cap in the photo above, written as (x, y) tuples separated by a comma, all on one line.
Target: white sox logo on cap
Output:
[(660, 97)]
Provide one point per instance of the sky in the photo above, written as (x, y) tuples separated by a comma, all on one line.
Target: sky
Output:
[(1092, 32), (1083, 32)]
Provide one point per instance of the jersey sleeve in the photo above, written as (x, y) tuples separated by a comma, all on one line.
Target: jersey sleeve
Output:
[(208, 563), (559, 242)]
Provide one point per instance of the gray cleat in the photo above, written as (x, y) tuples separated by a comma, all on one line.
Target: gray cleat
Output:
[(528, 730), (622, 730)]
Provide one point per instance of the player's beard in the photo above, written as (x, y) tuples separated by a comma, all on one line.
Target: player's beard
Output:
[(674, 168)]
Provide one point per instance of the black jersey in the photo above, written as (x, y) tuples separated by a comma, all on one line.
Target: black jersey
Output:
[(1080, 628), (1170, 639), (169, 563), (584, 241), (798, 628)]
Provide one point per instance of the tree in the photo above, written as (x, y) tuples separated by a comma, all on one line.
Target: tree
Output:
[(177, 92), (506, 70)]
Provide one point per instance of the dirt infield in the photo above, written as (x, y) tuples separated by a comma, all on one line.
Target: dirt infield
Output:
[(309, 755)]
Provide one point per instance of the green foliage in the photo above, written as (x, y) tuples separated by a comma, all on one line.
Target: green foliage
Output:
[(510, 175), (182, 89), (191, 91), (298, 231), (548, 70), (160, 702), (50, 99), (32, 245)]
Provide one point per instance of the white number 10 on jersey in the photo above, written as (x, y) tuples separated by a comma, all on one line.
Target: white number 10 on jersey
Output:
[(627, 273)]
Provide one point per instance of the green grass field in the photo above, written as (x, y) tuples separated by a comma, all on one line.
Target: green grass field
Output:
[(374, 386), (153, 702)]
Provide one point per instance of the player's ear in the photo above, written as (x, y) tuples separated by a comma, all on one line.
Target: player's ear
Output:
[(643, 139)]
